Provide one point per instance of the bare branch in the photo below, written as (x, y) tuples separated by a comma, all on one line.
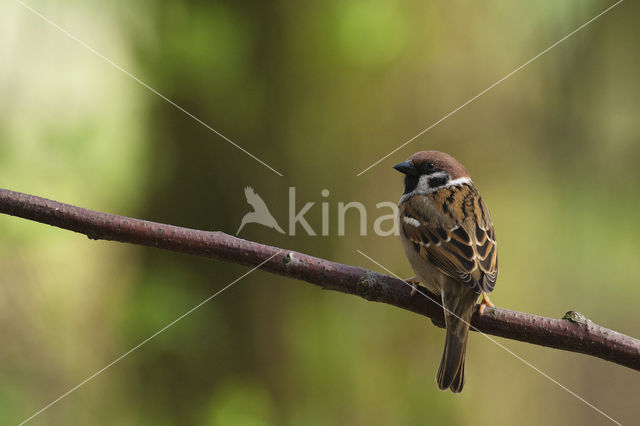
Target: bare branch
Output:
[(573, 332)]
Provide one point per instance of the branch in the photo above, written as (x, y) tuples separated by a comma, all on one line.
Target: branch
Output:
[(573, 332)]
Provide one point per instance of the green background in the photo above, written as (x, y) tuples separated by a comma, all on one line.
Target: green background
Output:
[(319, 90)]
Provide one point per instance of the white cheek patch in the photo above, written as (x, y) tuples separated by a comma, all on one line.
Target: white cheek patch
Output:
[(439, 175), (411, 221), (423, 184)]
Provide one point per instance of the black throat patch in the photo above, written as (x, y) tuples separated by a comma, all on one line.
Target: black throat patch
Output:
[(410, 183)]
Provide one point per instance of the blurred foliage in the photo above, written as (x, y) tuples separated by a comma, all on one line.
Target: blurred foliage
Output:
[(319, 90)]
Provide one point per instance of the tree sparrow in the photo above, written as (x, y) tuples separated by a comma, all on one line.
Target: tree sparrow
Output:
[(448, 237)]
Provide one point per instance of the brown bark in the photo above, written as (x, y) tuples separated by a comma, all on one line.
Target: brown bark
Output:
[(573, 332)]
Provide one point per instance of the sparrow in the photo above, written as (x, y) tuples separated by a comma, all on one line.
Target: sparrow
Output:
[(260, 213), (448, 237)]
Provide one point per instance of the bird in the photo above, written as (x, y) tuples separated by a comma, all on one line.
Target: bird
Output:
[(260, 213), (449, 239)]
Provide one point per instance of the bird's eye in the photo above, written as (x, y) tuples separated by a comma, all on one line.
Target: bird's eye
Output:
[(430, 166)]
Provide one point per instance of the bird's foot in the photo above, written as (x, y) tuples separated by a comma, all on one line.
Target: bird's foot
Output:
[(484, 303), (414, 282)]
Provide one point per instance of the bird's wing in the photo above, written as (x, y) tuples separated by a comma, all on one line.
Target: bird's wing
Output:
[(254, 200), (448, 249), (486, 248), (461, 247)]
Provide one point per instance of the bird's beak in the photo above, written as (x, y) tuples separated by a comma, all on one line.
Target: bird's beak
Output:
[(406, 168)]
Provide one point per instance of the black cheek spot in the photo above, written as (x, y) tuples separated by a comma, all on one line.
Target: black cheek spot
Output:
[(435, 182)]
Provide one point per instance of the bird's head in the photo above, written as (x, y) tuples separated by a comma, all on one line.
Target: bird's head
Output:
[(426, 171)]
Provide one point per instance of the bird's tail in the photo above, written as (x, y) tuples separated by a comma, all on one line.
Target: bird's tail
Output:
[(459, 304)]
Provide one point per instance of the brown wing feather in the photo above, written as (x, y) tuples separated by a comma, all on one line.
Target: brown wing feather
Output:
[(455, 233), (486, 246)]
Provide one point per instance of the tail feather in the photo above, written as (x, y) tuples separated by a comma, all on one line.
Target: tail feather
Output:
[(451, 371), (459, 304)]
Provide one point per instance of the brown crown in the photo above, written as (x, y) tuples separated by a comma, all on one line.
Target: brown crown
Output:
[(442, 161)]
